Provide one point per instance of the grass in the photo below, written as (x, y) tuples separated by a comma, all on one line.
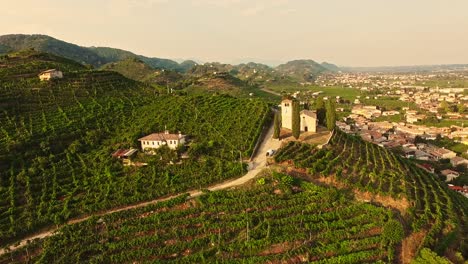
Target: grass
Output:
[(331, 91)]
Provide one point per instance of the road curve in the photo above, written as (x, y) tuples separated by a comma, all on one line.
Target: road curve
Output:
[(257, 164)]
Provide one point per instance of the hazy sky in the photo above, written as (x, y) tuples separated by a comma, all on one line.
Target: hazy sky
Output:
[(345, 32)]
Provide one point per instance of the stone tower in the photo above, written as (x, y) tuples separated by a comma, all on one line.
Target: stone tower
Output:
[(286, 113)]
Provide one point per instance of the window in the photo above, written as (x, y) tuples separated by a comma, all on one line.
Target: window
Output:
[(286, 104), (153, 143)]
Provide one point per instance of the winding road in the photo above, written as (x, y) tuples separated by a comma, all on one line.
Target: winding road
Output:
[(257, 164)]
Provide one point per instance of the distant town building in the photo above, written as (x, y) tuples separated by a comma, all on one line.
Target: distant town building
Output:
[(50, 74), (450, 175), (157, 140)]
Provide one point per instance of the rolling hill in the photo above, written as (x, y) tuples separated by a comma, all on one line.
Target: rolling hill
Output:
[(96, 56), (57, 138), (301, 70)]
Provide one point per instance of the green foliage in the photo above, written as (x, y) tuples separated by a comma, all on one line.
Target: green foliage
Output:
[(393, 232), (370, 168), (96, 56), (261, 181), (331, 115), (296, 119), (240, 225), (321, 112), (56, 142), (277, 125), (426, 256)]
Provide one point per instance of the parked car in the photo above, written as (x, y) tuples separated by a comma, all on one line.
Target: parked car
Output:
[(270, 152)]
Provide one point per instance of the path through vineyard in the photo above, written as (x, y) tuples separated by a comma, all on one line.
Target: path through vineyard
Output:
[(257, 164)]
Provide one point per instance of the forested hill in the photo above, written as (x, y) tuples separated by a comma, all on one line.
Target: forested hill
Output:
[(96, 56)]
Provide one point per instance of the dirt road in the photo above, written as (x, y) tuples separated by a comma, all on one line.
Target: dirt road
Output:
[(257, 164)]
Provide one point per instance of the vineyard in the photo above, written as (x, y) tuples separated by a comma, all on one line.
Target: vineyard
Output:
[(438, 212), (57, 138), (276, 218)]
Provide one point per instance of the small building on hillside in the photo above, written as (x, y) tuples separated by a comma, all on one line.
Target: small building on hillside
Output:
[(286, 113), (458, 161), (157, 140), (50, 74), (124, 155), (308, 121), (450, 174)]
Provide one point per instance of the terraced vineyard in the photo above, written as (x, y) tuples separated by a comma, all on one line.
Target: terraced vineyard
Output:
[(276, 219), (433, 209), (57, 137)]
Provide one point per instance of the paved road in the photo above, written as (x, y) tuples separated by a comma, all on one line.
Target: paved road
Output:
[(257, 164)]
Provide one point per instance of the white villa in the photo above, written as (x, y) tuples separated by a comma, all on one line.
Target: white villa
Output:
[(50, 74), (156, 140), (308, 118)]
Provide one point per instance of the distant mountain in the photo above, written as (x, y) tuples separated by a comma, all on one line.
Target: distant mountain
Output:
[(96, 56), (301, 70), (330, 67)]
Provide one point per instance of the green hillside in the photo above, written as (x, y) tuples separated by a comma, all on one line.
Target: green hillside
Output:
[(434, 216), (301, 70), (132, 68), (276, 220), (96, 56), (57, 138), (330, 66)]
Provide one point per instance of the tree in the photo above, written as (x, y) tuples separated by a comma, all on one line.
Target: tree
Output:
[(461, 108), (331, 115), (277, 125), (320, 107), (393, 232), (426, 256), (296, 119), (444, 107)]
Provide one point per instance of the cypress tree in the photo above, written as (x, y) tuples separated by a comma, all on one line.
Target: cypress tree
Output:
[(277, 125), (321, 112), (331, 115), (296, 119)]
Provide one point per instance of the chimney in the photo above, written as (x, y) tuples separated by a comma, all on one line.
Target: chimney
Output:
[(180, 134)]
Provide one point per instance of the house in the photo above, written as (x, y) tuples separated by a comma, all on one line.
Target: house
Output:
[(50, 74), (308, 121), (124, 155), (441, 153), (450, 174), (157, 140), (458, 161), (462, 190)]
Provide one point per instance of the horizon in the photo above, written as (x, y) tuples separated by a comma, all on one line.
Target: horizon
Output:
[(364, 34)]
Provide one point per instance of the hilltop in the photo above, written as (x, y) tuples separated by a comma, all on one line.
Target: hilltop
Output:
[(96, 56), (300, 70)]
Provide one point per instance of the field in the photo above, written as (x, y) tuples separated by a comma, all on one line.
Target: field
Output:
[(331, 91), (276, 218), (430, 207), (56, 143)]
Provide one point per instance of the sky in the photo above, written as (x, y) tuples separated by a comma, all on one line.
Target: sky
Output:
[(344, 32)]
